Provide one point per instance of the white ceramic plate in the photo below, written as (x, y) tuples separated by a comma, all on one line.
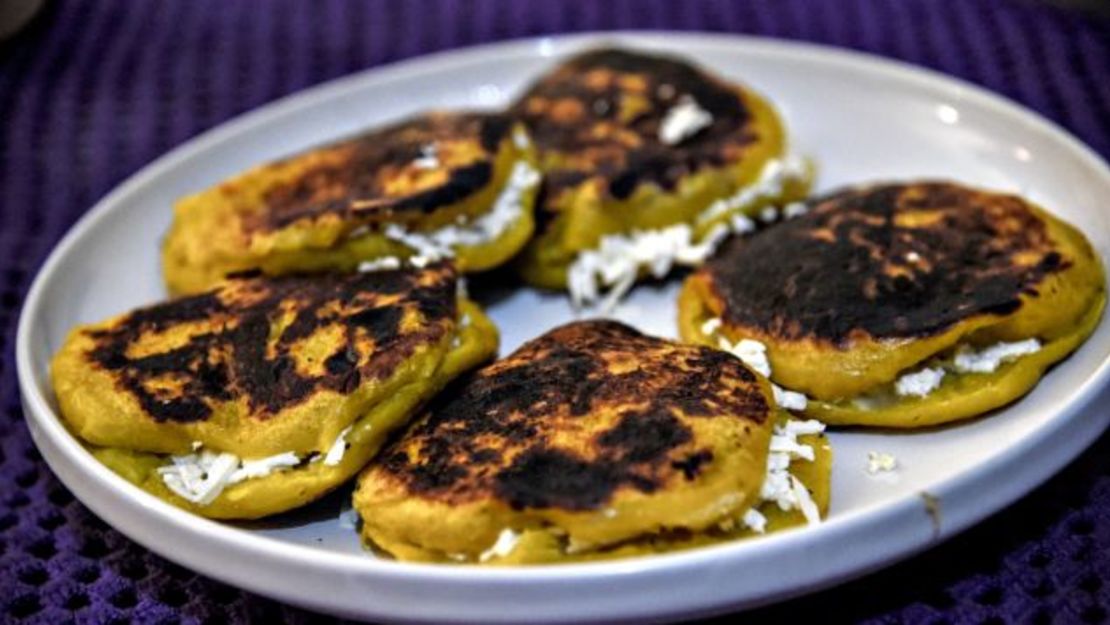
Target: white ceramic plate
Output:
[(861, 117)]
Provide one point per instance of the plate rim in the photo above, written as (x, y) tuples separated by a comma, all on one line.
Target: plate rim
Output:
[(48, 432)]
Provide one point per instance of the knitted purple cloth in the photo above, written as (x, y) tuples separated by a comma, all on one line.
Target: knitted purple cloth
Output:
[(95, 89)]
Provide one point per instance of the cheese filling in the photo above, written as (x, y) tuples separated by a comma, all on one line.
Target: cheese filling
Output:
[(201, 476), (503, 546), (754, 354), (429, 247), (607, 273), (779, 485), (922, 382), (682, 121)]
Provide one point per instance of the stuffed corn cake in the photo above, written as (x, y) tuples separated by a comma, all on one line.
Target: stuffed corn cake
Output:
[(649, 162), (265, 393), (429, 187), (902, 305), (593, 441)]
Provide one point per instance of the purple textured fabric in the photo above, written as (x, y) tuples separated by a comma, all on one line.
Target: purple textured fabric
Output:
[(94, 90)]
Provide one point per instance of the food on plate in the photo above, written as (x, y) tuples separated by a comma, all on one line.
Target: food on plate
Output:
[(267, 392), (436, 185), (649, 162), (901, 305), (593, 441)]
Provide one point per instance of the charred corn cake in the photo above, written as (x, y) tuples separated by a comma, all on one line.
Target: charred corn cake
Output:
[(433, 186), (265, 393), (593, 441), (902, 305), (648, 162)]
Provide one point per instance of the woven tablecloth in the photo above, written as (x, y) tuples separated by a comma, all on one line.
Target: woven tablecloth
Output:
[(93, 90)]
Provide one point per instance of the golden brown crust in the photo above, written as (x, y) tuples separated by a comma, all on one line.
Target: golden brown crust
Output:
[(572, 418), (885, 262), (244, 340)]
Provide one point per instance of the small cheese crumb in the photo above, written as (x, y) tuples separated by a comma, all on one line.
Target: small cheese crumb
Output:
[(428, 158), (794, 209), (790, 400), (338, 448), (988, 360), (682, 121), (755, 521), (768, 214), (385, 263), (752, 353), (742, 224), (506, 542), (919, 383), (520, 139), (711, 326), (262, 467), (880, 462)]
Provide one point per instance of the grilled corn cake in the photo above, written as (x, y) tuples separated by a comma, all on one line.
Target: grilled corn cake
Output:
[(266, 392), (593, 441), (903, 305), (436, 185), (648, 162)]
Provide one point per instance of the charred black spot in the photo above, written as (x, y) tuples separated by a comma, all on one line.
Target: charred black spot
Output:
[(645, 436), (356, 186), (549, 478), (847, 266), (691, 465), (502, 429), (230, 358), (461, 184)]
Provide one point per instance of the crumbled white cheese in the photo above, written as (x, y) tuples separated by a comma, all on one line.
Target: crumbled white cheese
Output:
[(711, 326), (384, 263), (506, 542), (779, 485), (619, 259), (988, 360), (770, 185), (682, 121), (794, 209), (755, 521), (742, 224), (752, 353), (612, 268), (428, 158), (919, 383), (429, 247), (790, 400), (768, 214), (199, 477), (913, 257), (880, 462), (521, 140), (262, 467), (338, 448)]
